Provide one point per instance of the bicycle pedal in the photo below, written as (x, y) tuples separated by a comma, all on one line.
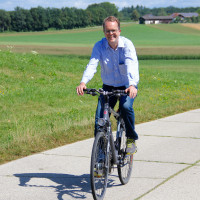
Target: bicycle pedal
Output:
[(97, 175)]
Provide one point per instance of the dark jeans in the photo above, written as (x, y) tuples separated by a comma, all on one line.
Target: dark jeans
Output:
[(126, 107)]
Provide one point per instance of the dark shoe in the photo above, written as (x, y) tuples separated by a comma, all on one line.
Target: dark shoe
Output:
[(131, 147), (98, 170)]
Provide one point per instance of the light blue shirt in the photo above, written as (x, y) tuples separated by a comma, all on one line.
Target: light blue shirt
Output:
[(119, 67)]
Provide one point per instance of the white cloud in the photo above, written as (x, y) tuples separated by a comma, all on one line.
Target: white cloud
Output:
[(81, 4)]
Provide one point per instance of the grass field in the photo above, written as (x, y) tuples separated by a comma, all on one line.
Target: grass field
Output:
[(40, 108), (38, 102)]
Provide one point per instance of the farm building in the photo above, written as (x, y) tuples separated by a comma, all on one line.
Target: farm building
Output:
[(184, 15), (150, 19)]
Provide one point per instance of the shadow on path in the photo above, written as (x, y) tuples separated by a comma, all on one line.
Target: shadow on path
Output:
[(76, 186)]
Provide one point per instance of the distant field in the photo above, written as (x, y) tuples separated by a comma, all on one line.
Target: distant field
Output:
[(191, 25), (160, 39), (192, 29)]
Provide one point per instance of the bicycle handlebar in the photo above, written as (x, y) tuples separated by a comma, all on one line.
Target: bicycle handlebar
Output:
[(94, 92)]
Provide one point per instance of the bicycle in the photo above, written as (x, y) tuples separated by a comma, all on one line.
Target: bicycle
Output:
[(107, 151)]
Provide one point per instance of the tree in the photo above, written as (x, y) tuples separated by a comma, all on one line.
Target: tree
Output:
[(125, 13), (68, 18), (5, 21), (135, 15), (18, 19), (82, 18), (198, 11), (161, 12), (98, 12), (109, 8), (40, 20), (28, 20), (178, 20), (55, 18)]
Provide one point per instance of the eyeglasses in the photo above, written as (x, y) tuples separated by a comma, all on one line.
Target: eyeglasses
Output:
[(111, 31)]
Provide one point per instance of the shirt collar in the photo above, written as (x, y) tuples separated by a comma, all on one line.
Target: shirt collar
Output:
[(120, 43)]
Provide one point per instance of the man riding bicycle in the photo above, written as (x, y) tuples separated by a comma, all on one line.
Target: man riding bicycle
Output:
[(119, 70)]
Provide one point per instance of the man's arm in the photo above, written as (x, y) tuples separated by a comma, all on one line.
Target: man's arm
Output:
[(80, 88), (132, 90), (90, 70), (131, 61)]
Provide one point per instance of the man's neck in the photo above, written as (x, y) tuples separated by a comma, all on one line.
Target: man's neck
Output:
[(113, 45)]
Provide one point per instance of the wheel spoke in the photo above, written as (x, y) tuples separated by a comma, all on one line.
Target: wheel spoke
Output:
[(99, 171), (125, 167)]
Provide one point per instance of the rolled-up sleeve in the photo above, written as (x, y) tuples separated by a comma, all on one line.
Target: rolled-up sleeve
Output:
[(131, 62), (91, 68)]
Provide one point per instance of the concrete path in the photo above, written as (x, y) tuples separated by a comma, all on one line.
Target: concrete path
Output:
[(166, 167)]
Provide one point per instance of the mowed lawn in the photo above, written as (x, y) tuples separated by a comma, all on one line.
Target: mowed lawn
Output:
[(41, 110), (39, 105)]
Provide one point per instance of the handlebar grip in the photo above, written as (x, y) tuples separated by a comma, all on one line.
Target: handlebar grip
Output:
[(121, 92), (90, 91)]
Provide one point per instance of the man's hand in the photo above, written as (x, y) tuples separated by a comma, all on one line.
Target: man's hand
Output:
[(80, 88), (132, 91)]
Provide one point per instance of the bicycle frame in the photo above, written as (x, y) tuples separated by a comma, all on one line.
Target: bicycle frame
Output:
[(106, 124)]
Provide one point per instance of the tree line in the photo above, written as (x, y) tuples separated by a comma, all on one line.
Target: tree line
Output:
[(40, 19)]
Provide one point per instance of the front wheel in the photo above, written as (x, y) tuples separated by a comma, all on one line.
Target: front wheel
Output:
[(99, 167), (126, 161)]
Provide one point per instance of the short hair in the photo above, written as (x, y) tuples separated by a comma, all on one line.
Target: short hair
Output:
[(111, 19)]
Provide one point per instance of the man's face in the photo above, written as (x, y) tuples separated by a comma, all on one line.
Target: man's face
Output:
[(112, 33)]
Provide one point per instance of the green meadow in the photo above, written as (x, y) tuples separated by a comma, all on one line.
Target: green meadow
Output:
[(152, 39), (39, 105), (141, 35)]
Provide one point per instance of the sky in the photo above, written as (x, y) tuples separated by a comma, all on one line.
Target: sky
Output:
[(9, 5)]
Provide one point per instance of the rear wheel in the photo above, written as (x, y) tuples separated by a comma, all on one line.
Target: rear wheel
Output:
[(99, 167), (126, 161)]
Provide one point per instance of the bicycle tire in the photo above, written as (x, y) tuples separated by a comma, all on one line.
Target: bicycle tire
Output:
[(99, 167), (125, 167)]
